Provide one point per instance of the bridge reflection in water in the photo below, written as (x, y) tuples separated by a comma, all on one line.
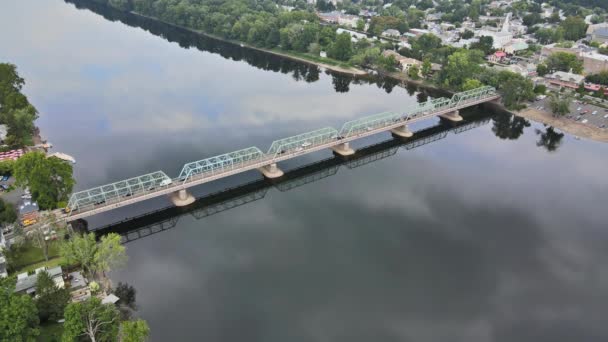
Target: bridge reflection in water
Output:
[(135, 228)]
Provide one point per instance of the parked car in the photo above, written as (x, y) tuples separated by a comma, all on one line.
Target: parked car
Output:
[(5, 178), (585, 121), (594, 112), (579, 108), (606, 116)]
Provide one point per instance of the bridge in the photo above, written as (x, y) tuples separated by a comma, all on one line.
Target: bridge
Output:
[(160, 220), (125, 192)]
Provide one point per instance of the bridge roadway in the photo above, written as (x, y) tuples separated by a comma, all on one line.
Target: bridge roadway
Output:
[(267, 162), (150, 223)]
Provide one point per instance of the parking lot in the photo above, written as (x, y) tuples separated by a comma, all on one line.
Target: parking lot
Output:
[(585, 113)]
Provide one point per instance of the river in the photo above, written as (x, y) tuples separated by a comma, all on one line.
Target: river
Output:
[(497, 233)]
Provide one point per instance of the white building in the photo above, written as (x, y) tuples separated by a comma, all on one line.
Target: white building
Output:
[(502, 37)]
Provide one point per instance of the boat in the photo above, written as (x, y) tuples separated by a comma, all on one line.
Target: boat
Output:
[(63, 156)]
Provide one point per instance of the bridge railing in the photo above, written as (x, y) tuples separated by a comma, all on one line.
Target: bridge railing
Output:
[(221, 163), (369, 123), (117, 190), (302, 141)]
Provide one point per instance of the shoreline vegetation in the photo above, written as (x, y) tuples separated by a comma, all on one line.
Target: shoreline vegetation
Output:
[(326, 63)]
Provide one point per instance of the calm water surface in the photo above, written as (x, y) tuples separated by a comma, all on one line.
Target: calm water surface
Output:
[(494, 234)]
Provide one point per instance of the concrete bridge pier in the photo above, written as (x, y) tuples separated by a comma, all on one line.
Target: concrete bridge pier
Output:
[(182, 198), (343, 149), (403, 132), (452, 116), (271, 171)]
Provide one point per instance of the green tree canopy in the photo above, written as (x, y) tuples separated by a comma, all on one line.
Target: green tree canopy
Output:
[(49, 179), (134, 331), (461, 66), (99, 322), (18, 316), (564, 61), (560, 105), (92, 256), (574, 28), (51, 300), (8, 214), (342, 48)]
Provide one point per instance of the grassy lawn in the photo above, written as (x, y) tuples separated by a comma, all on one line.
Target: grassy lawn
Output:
[(50, 332), (49, 264), (29, 255), (314, 58)]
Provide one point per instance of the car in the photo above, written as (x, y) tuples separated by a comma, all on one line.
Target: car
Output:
[(26, 196), (369, 129), (298, 149), (603, 126), (5, 187), (578, 118), (585, 121), (306, 144), (594, 112), (166, 182), (5, 178), (281, 151), (606, 116), (340, 137), (579, 108)]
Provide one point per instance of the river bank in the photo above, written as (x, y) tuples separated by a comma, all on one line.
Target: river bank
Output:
[(285, 54), (564, 124)]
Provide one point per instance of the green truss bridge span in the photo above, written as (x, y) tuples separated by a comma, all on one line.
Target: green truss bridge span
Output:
[(125, 192)]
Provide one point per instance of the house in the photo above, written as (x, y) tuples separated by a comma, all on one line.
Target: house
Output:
[(515, 45), (564, 79), (391, 33), (497, 56), (405, 63), (598, 33), (27, 283), (594, 62), (355, 36)]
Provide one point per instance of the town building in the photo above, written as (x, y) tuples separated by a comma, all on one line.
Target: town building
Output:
[(502, 37), (497, 56), (560, 79), (598, 33), (405, 63), (339, 18), (594, 62), (27, 283), (391, 33)]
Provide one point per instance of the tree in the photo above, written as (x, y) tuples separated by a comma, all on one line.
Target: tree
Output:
[(134, 331), (413, 72), (20, 124), (514, 89), (8, 214), (559, 105), (92, 256), (426, 68), (470, 84), (485, 44), (540, 89), (49, 179), (574, 28), (342, 48), (564, 61), (542, 69), (15, 110), (467, 34), (127, 294), (98, 322), (18, 316), (360, 25), (461, 66), (50, 300), (424, 44)]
